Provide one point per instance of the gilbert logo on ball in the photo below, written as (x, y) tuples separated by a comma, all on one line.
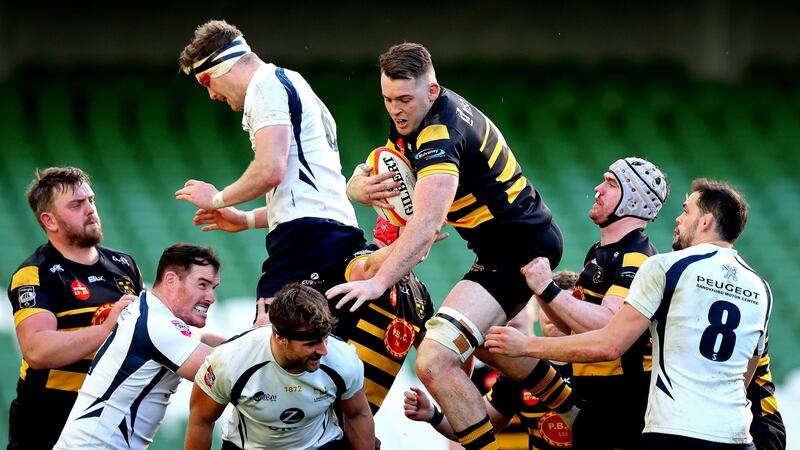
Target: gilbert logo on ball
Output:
[(383, 160)]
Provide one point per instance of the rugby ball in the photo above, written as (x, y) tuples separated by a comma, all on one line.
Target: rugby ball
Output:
[(383, 160)]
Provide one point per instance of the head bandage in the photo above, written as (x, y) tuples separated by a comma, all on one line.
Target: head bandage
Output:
[(302, 336), (644, 189), (220, 62)]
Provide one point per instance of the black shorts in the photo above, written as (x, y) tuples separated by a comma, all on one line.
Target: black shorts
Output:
[(311, 251), (37, 418), (497, 268), (769, 432), (661, 441)]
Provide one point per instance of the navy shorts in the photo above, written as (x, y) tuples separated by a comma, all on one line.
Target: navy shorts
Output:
[(310, 251)]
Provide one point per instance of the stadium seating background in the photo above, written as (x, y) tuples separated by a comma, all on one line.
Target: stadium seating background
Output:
[(142, 133)]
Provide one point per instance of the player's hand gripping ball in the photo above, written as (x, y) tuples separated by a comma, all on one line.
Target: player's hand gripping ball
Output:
[(383, 160)]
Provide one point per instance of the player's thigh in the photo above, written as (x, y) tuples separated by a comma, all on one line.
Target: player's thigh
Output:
[(477, 304)]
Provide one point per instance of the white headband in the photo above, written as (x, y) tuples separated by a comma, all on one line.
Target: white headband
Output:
[(220, 62)]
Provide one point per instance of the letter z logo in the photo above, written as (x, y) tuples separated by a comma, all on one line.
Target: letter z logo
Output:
[(292, 416)]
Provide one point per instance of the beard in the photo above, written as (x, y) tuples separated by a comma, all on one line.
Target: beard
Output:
[(82, 238), (682, 240)]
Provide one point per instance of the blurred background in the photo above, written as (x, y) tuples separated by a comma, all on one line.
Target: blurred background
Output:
[(700, 88)]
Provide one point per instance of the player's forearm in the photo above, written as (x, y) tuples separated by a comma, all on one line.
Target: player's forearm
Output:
[(49, 349), (359, 431), (261, 216), (579, 316), (198, 435), (375, 260), (410, 247), (592, 346), (553, 319), (255, 182)]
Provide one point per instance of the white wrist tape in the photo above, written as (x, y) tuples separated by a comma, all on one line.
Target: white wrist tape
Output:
[(251, 219), (217, 201)]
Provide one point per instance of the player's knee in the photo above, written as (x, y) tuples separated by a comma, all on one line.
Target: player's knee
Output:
[(456, 335)]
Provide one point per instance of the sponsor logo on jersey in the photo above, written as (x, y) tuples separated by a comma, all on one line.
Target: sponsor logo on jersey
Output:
[(726, 288), (322, 395), (261, 396), (312, 280), (182, 327), (94, 279), (125, 285), (398, 338), (56, 268), (292, 416), (26, 296), (80, 290), (463, 116), (431, 153), (730, 272), (528, 398), (554, 430), (121, 260), (209, 377)]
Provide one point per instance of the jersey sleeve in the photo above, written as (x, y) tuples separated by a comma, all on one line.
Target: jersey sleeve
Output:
[(172, 340), (438, 151), (28, 294), (621, 282), (353, 372), (269, 106), (647, 289), (213, 379)]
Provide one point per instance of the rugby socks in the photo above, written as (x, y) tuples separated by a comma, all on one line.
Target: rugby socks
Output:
[(479, 436), (546, 383)]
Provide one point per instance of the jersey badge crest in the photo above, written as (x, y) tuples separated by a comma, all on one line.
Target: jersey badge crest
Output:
[(26, 295), (419, 306), (125, 285), (598, 276), (182, 327), (398, 338), (80, 290)]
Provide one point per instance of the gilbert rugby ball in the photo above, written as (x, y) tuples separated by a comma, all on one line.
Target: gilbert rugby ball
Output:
[(383, 160)]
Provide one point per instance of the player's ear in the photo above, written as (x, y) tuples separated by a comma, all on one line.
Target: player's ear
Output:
[(48, 221), (433, 90)]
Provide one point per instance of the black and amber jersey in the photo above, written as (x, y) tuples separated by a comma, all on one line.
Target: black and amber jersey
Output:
[(384, 330), (48, 282), (609, 270), (545, 429), (456, 138), (767, 428)]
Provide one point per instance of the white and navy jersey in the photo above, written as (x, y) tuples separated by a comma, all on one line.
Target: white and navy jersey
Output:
[(276, 409), (709, 313), (313, 185), (124, 397)]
